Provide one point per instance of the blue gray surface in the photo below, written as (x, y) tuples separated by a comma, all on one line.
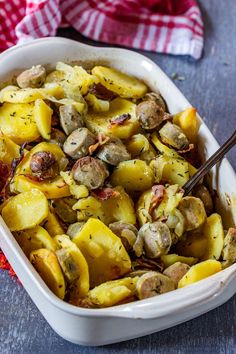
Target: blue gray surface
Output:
[(210, 85)]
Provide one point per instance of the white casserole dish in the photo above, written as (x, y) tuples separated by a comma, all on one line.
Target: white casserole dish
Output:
[(109, 325)]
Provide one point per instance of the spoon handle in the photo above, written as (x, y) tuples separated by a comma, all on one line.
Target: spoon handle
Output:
[(212, 161)]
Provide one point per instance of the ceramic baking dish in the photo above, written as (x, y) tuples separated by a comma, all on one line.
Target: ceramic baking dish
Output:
[(119, 323)]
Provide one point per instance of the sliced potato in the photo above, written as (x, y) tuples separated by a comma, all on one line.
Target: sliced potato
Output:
[(25, 210), (106, 256), (8, 149), (52, 224), (101, 122), (214, 233), (188, 122), (170, 169), (137, 145), (165, 150), (80, 286), (29, 95), (200, 271), (169, 259), (46, 263), (43, 115), (35, 238), (97, 104), (56, 188), (18, 123), (112, 292), (133, 175), (124, 85)]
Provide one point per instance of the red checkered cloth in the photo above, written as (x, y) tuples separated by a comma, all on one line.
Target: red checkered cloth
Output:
[(166, 26)]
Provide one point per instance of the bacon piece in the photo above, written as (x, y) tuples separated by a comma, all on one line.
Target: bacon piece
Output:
[(105, 193), (102, 92), (190, 148), (102, 139), (158, 195), (122, 119)]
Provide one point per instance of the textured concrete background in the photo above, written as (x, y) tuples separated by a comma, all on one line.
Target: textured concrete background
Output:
[(210, 85)]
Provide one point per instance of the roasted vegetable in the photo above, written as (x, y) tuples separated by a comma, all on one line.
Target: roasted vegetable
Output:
[(101, 122), (25, 210), (170, 170), (169, 259), (214, 234), (17, 122), (112, 292), (35, 238), (133, 175), (200, 271), (106, 256), (74, 266), (52, 224), (43, 115), (8, 149), (46, 263), (120, 83), (97, 104), (188, 122)]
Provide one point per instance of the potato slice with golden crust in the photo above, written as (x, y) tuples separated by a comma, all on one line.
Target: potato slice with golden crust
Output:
[(169, 259), (133, 175), (101, 122), (106, 256), (112, 292), (79, 286), (188, 122), (52, 224), (18, 123), (200, 271), (122, 84), (214, 233), (25, 210), (53, 189), (35, 238), (29, 95), (8, 149), (43, 115), (46, 263)]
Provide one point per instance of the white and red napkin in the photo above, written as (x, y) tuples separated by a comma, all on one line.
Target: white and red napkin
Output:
[(165, 26)]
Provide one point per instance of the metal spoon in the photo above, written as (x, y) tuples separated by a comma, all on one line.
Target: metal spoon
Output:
[(212, 161)]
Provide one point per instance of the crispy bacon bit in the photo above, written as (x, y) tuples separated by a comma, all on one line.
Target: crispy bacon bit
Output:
[(190, 148), (102, 139), (102, 92), (122, 119), (158, 192), (105, 193)]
